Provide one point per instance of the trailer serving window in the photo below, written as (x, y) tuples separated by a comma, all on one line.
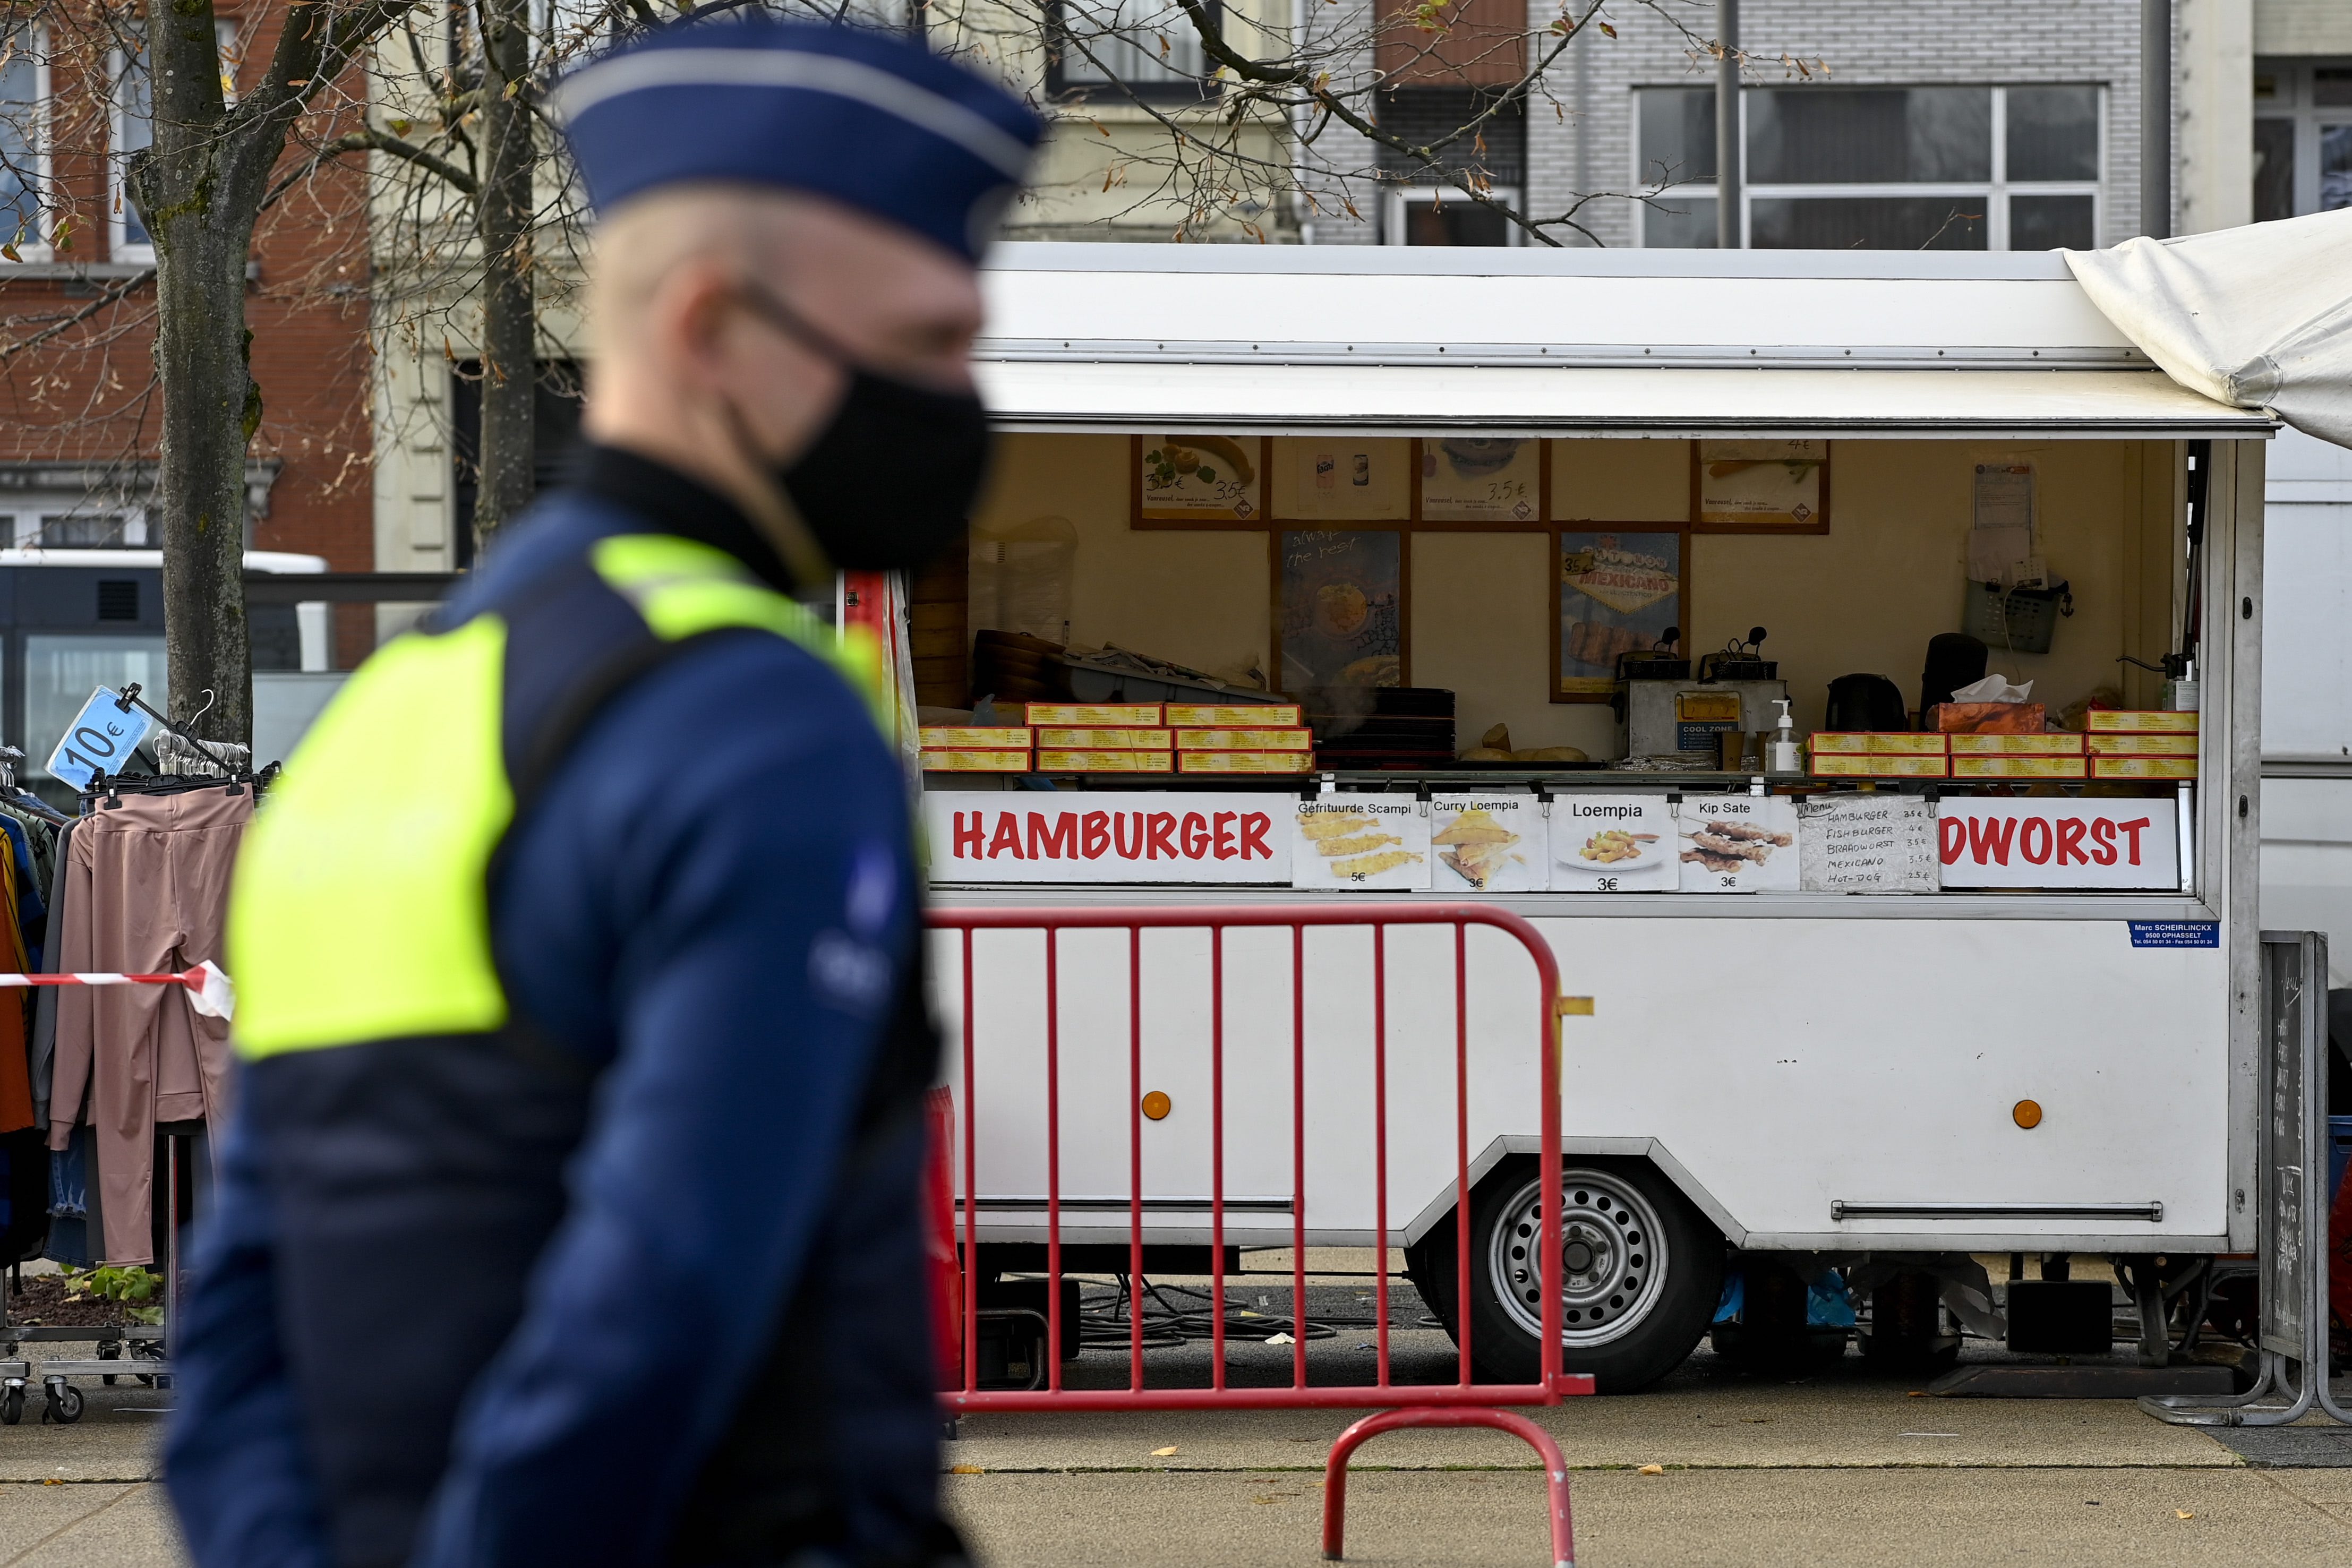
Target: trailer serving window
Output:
[(1505, 615), (1565, 629)]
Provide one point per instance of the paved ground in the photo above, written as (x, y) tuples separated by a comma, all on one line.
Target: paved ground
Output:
[(1829, 1469)]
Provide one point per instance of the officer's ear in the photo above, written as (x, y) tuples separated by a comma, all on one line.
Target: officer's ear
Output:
[(694, 309)]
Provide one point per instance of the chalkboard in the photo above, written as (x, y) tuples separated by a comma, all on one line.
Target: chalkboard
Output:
[(1868, 843)]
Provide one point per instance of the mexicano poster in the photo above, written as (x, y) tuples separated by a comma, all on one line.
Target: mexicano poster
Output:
[(1619, 592)]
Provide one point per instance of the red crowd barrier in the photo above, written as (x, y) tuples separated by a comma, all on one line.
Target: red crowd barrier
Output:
[(1465, 1402)]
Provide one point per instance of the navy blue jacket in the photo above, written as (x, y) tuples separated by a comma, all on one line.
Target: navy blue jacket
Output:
[(661, 1297)]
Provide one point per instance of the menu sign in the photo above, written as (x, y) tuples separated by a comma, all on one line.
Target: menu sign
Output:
[(1613, 843), (1379, 842), (978, 838), (2110, 844), (1737, 844), (1867, 844), (1489, 843)]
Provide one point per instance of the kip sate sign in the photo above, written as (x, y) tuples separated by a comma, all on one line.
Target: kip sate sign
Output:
[(981, 838), (2114, 844)]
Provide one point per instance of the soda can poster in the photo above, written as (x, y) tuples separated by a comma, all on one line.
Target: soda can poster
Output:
[(1619, 592), (1342, 478), (1339, 607)]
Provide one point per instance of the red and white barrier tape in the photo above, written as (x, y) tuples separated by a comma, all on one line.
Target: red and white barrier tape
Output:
[(209, 991)]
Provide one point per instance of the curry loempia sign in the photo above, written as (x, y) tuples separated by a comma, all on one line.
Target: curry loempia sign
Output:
[(978, 838), (2114, 844)]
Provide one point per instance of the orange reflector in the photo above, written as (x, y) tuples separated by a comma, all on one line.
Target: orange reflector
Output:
[(1155, 1105), (2026, 1114)]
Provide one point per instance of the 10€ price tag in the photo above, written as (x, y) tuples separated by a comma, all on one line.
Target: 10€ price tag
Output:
[(100, 738)]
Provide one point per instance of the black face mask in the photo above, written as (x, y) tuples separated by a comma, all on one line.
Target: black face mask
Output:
[(888, 485), (890, 482)]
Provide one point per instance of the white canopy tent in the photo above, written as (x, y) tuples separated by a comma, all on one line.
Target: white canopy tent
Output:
[(2259, 316)]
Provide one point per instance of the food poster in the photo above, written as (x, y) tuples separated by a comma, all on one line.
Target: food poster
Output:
[(1199, 479), (1619, 593), (1342, 478), (1374, 841), (1489, 843), (1761, 486), (1613, 843), (1340, 610), (1481, 479), (1737, 844)]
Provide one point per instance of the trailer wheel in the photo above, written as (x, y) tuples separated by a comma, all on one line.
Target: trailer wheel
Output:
[(1644, 1270)]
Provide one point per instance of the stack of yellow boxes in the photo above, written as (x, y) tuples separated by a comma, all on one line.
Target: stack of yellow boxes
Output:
[(2051, 756), (1100, 738), (1243, 737), (1880, 754), (968, 748), (2142, 745)]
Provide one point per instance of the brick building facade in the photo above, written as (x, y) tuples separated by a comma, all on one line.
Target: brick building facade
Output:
[(1584, 133), (79, 412)]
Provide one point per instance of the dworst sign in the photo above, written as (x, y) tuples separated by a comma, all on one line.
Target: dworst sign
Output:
[(977, 838), (2108, 844)]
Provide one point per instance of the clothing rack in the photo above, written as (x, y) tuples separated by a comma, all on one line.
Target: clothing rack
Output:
[(235, 762), (184, 765)]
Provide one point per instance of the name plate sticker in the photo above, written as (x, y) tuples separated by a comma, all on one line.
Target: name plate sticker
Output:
[(101, 740), (2175, 933)]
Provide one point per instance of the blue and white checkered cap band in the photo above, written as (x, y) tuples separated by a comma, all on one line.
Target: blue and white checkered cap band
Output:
[(870, 120)]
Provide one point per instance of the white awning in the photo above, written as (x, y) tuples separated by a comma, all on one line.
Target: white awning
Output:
[(1068, 395), (1568, 342)]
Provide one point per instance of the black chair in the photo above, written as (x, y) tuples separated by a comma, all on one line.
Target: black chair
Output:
[(1955, 660)]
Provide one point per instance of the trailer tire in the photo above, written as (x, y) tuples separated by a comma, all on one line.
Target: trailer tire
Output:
[(1652, 1272)]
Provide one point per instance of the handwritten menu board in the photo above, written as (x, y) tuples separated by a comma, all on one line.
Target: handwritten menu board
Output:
[(1867, 844)]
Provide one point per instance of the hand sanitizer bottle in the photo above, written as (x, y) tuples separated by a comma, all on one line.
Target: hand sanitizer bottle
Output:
[(1787, 756)]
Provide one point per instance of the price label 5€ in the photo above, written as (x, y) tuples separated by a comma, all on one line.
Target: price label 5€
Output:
[(100, 738)]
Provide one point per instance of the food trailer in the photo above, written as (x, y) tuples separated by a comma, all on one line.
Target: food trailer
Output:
[(1848, 662)]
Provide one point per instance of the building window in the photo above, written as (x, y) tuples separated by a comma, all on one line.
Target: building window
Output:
[(1879, 168), (1148, 47), (132, 131), (24, 157), (2302, 137), (557, 396), (63, 525), (1419, 209), (1433, 214), (61, 672)]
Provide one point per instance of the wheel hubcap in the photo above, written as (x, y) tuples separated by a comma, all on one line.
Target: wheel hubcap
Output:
[(1613, 1257)]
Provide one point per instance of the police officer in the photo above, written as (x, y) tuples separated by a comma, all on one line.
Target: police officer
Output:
[(570, 1212)]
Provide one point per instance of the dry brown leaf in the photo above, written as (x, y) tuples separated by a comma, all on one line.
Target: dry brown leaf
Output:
[(1653, 1469), (966, 1471), (1163, 1453), (2182, 1513)]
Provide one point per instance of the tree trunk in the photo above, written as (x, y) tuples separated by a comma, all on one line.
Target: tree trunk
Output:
[(199, 193), (503, 219)]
